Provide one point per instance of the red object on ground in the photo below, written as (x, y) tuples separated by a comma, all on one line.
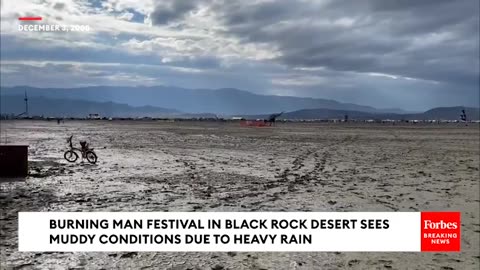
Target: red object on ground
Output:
[(255, 123)]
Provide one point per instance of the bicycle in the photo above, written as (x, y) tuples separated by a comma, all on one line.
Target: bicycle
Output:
[(86, 152)]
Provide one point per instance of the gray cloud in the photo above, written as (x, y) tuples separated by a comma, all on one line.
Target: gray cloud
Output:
[(59, 6), (430, 40), (408, 53), (171, 10)]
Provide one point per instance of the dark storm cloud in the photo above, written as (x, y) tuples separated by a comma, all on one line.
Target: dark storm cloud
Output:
[(414, 54), (430, 40), (395, 5), (263, 12), (171, 11)]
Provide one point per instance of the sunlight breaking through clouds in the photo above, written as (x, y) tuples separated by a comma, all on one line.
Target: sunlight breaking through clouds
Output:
[(307, 48)]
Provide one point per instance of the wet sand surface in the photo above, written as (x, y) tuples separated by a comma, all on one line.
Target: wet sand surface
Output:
[(199, 166)]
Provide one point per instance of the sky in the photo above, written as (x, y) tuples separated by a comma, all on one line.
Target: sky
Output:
[(406, 54)]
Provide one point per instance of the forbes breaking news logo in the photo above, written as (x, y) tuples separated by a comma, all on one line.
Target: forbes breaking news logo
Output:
[(440, 231)]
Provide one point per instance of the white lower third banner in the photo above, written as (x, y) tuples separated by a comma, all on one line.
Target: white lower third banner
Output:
[(237, 231)]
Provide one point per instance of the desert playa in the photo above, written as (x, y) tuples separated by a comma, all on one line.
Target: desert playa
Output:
[(218, 166)]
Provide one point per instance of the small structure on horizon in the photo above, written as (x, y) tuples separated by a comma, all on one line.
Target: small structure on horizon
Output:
[(94, 116), (463, 117), (272, 118)]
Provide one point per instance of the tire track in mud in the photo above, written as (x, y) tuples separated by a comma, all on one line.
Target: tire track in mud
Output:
[(191, 168), (294, 173), (207, 194), (191, 188), (321, 159), (349, 182), (308, 168), (313, 167)]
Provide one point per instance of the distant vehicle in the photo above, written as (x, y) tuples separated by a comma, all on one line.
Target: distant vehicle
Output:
[(94, 116), (86, 152)]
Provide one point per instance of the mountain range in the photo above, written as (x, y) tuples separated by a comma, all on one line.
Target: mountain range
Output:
[(440, 113), (79, 102), (52, 107), (227, 101)]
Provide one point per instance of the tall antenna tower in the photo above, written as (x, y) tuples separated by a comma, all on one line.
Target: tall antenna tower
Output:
[(25, 113), (26, 103)]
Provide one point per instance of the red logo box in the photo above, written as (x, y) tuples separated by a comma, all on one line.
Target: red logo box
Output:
[(440, 231)]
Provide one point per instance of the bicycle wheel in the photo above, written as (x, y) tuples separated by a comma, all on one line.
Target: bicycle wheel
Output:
[(70, 156), (91, 157)]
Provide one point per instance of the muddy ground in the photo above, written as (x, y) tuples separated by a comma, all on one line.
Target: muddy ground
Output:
[(194, 166)]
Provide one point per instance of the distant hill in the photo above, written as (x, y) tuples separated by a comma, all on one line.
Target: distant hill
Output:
[(54, 107), (441, 113), (50, 107), (80, 102), (449, 113), (326, 114), (226, 101)]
